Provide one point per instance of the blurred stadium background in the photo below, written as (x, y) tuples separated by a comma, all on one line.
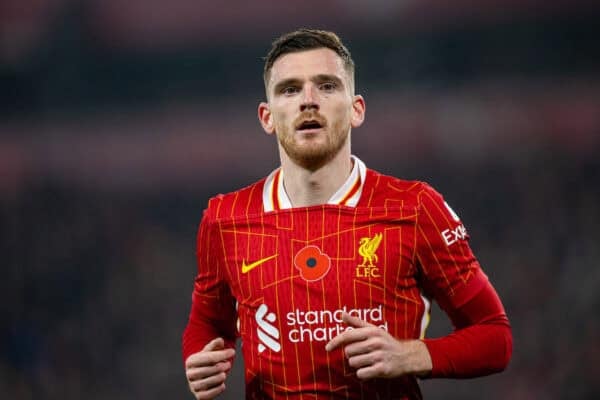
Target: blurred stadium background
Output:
[(118, 119)]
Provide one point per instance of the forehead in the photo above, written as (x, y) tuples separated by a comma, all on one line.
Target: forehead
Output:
[(304, 64)]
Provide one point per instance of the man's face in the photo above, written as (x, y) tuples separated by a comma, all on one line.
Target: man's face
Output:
[(311, 106)]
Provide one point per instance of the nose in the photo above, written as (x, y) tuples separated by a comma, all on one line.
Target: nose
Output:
[(309, 99)]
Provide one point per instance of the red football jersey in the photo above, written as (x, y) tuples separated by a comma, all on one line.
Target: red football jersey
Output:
[(280, 277)]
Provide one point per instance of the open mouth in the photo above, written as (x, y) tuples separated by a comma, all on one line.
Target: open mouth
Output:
[(309, 125)]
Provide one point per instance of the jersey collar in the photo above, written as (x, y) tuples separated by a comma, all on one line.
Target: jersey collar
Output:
[(275, 197)]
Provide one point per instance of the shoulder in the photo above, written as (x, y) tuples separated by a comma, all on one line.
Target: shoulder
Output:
[(433, 214), (382, 188), (245, 201)]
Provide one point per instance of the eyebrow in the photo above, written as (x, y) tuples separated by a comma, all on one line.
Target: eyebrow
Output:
[(316, 79), (285, 83), (328, 78)]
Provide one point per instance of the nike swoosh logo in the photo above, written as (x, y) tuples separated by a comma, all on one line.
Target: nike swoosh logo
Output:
[(247, 267)]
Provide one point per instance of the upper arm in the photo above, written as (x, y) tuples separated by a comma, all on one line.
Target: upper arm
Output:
[(213, 311), (450, 272)]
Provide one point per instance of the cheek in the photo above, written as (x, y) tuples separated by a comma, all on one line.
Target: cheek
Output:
[(343, 109), (283, 130), (281, 118), (278, 123), (342, 115)]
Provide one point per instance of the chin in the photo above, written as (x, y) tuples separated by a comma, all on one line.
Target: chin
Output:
[(312, 159)]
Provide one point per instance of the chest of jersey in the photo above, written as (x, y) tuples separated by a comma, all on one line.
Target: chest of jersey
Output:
[(307, 265)]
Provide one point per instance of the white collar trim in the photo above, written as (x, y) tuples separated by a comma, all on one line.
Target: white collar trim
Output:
[(348, 194)]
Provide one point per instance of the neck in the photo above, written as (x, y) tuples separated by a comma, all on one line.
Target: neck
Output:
[(306, 188)]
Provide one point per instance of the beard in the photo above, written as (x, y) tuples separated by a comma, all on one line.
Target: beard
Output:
[(313, 150)]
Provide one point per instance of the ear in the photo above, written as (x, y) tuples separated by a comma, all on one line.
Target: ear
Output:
[(358, 111), (266, 118)]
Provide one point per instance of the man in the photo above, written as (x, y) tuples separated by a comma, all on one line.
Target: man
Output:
[(325, 268)]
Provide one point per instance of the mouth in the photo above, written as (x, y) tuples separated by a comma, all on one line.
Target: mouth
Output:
[(309, 126)]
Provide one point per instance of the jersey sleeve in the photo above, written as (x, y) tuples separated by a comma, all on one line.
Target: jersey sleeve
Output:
[(482, 341), (450, 272), (480, 345), (213, 311)]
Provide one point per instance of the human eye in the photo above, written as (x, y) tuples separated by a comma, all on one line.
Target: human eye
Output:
[(289, 90), (328, 86)]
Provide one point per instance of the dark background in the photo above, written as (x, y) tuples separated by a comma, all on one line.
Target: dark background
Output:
[(119, 119)]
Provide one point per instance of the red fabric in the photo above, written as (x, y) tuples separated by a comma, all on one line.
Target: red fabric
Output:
[(213, 307), (377, 260), (481, 343)]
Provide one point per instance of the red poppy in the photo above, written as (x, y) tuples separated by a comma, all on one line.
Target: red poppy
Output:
[(312, 263)]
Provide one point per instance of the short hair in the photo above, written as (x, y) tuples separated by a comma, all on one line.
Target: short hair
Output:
[(307, 39)]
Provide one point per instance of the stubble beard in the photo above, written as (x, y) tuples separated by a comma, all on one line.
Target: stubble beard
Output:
[(313, 156)]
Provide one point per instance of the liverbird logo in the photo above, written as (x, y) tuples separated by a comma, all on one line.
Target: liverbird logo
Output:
[(367, 249)]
